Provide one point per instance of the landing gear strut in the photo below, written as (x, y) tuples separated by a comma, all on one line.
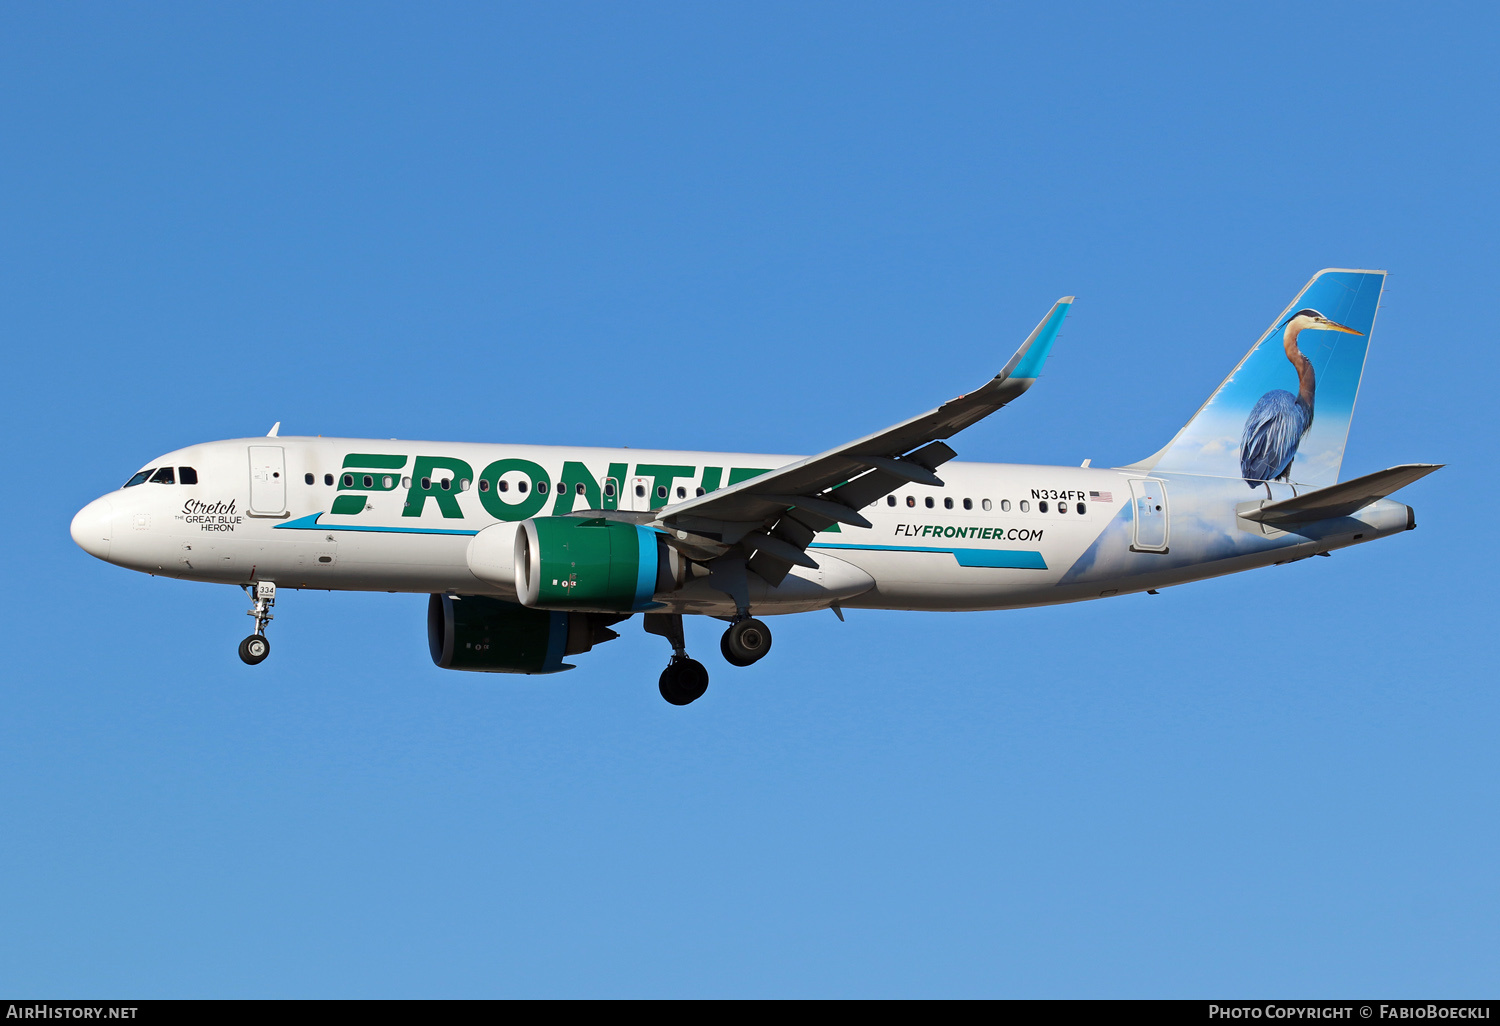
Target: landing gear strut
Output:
[(256, 647), (684, 680), (747, 641)]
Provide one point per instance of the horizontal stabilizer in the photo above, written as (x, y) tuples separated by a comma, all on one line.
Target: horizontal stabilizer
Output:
[(1340, 500)]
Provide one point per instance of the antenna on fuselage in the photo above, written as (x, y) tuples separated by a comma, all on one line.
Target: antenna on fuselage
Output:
[(274, 428)]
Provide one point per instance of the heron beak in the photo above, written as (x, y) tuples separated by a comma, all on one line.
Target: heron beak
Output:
[(1335, 326)]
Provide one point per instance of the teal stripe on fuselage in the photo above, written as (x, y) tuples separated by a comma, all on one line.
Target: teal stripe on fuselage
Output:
[(311, 524), (1000, 559)]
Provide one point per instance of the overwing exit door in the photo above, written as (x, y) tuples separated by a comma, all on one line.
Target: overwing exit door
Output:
[(267, 481), (1149, 499), (640, 493)]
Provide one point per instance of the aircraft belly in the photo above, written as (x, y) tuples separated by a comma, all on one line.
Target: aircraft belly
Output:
[(802, 590), (940, 580)]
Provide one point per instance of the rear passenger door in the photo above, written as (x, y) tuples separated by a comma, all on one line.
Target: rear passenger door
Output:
[(1149, 497)]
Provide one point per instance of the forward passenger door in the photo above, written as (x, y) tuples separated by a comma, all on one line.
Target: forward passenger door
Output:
[(267, 481)]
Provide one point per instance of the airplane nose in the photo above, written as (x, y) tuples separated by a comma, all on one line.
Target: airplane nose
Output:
[(91, 528)]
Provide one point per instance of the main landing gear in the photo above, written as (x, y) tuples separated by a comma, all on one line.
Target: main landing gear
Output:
[(747, 641), (684, 680), (257, 646)]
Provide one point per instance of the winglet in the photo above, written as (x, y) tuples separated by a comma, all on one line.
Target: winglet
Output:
[(274, 429), (1027, 363)]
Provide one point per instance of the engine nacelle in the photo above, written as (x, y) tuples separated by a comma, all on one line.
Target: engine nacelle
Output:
[(583, 563), (491, 555), (472, 632)]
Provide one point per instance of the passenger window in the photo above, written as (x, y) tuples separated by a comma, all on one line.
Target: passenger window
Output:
[(503, 486), (484, 484), (187, 475), (911, 500), (308, 478), (681, 492), (370, 482), (463, 484), (1025, 506), (1082, 509), (137, 479), (446, 483), (1041, 507), (405, 482), (578, 489), (986, 505), (661, 491), (640, 491), (609, 488), (328, 479), (968, 504), (164, 476), (1004, 505), (700, 491), (349, 481), (930, 503), (890, 500), (426, 483), (947, 503), (386, 481), (523, 484)]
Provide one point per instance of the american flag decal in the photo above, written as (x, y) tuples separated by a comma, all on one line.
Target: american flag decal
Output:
[(1102, 496)]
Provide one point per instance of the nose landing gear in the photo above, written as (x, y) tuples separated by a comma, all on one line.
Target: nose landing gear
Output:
[(745, 642), (256, 647), (684, 680)]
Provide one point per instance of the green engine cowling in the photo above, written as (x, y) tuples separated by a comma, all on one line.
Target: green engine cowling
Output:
[(587, 563), (473, 632)]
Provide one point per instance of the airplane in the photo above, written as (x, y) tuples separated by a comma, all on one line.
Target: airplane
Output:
[(531, 554)]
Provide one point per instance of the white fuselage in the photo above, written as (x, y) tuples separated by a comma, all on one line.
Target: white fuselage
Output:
[(993, 536)]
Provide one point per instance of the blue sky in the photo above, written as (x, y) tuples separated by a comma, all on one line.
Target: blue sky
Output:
[(763, 227)]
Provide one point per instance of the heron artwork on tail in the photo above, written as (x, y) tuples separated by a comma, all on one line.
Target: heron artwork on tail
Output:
[(1279, 419)]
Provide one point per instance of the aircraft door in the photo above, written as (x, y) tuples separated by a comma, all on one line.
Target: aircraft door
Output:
[(640, 493), (1149, 498), (267, 481)]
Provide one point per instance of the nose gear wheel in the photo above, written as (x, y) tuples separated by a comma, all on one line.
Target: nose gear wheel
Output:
[(254, 649)]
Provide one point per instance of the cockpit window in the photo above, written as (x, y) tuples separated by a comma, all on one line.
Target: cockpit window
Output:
[(187, 475), (164, 476), (138, 478)]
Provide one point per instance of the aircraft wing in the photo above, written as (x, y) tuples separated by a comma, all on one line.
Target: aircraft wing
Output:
[(776, 514)]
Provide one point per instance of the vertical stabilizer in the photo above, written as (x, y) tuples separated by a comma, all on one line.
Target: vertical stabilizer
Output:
[(1283, 413)]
